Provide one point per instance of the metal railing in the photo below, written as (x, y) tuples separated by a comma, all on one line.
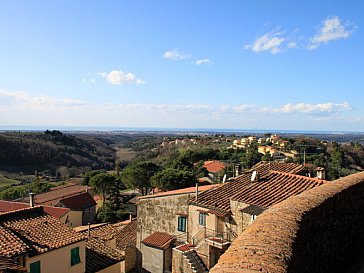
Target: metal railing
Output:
[(204, 233)]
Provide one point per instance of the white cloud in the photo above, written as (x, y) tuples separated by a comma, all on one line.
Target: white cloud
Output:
[(203, 61), (271, 41), (175, 55), (331, 29), (320, 108), (117, 77)]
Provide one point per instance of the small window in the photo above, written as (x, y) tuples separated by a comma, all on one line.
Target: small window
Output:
[(75, 256), (35, 267), (254, 217), (202, 219), (182, 221)]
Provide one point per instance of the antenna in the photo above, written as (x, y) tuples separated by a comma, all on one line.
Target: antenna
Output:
[(224, 178), (254, 176)]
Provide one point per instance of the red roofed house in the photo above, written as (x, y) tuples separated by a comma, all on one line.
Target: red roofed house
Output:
[(41, 243), (77, 198), (215, 168)]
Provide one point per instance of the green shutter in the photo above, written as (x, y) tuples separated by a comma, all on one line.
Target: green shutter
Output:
[(35, 267), (75, 256), (182, 224)]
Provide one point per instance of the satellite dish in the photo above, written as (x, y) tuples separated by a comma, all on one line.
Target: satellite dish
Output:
[(254, 176), (224, 178)]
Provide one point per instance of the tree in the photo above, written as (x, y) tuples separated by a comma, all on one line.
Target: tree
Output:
[(138, 176), (108, 213), (103, 184), (170, 179)]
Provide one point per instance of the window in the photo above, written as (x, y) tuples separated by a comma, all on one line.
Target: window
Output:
[(35, 267), (254, 217), (202, 219), (75, 256), (182, 221)]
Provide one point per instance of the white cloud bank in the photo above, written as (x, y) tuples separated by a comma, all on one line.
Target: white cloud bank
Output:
[(117, 77), (175, 55), (331, 29), (21, 108)]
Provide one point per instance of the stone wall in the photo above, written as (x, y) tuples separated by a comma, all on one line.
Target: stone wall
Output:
[(310, 232), (160, 214)]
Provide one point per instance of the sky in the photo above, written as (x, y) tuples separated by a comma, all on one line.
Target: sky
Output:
[(232, 64)]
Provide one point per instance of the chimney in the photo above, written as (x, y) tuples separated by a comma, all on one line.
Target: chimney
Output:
[(88, 230), (255, 177), (196, 191), (86, 188), (31, 199), (320, 173), (237, 169)]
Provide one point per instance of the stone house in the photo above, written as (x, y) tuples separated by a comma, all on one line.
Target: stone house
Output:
[(219, 215), (160, 214)]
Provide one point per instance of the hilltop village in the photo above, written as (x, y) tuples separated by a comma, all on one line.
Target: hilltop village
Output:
[(152, 203)]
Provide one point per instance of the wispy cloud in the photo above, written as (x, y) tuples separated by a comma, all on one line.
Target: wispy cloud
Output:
[(23, 100), (89, 80), (271, 41), (118, 77), (331, 29), (175, 55), (203, 61)]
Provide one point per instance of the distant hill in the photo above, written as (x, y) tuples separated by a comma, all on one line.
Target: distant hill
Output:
[(51, 150)]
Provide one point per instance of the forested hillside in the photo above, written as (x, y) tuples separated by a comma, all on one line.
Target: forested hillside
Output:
[(53, 151)]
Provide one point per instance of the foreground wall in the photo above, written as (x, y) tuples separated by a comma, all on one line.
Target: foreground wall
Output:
[(310, 232)]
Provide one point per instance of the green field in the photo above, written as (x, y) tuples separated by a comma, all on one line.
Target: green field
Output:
[(6, 182)]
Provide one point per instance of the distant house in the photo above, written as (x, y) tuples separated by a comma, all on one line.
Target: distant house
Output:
[(39, 242), (215, 169), (77, 198)]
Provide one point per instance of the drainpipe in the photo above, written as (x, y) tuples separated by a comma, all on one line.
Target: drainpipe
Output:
[(88, 230), (196, 191)]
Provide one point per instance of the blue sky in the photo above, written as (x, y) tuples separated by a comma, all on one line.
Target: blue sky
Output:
[(294, 65)]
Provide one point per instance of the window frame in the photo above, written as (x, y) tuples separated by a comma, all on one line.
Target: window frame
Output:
[(182, 224), (202, 219), (75, 260)]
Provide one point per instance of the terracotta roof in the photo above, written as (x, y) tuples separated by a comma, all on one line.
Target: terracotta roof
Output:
[(274, 188), (7, 206), (219, 197), (181, 191), (127, 236), (102, 231), (264, 167), (79, 201), (55, 195), (158, 240), (214, 166), (33, 231), (100, 256)]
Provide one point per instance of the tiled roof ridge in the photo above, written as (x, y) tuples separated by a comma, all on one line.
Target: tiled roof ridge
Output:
[(37, 208), (313, 179), (59, 197)]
